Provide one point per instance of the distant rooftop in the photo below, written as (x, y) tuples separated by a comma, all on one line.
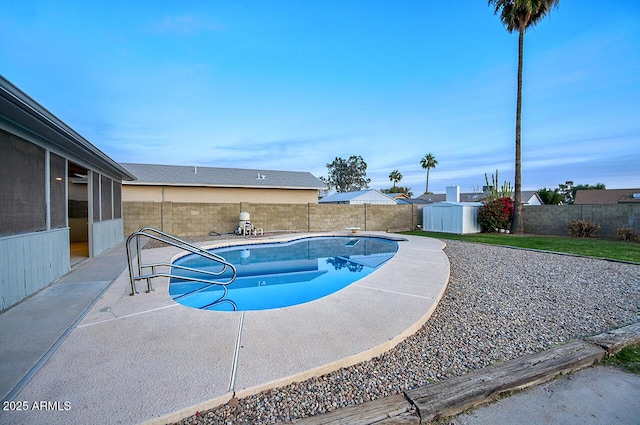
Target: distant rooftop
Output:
[(186, 175), (470, 196), (606, 196), (367, 196)]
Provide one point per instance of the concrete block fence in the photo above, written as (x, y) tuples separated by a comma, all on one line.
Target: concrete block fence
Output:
[(193, 219), (554, 219)]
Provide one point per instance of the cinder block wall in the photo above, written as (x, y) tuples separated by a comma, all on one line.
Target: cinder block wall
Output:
[(554, 219), (281, 217), (137, 215), (327, 217), (191, 219), (389, 217)]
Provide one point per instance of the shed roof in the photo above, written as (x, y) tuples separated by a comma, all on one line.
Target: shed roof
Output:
[(183, 175)]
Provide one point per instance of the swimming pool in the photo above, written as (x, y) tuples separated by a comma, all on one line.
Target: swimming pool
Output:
[(275, 275)]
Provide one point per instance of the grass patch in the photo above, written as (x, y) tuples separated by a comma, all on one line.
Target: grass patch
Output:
[(628, 358), (590, 247)]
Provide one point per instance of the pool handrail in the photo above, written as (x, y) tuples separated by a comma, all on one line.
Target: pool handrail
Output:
[(161, 236)]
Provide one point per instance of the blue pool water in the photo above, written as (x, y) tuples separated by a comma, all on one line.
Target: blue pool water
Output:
[(278, 275)]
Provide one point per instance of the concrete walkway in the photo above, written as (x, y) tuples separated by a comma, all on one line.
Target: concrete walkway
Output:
[(33, 329), (599, 395), (148, 359)]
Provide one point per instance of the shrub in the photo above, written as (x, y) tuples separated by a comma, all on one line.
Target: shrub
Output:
[(583, 229), (626, 234), (496, 215)]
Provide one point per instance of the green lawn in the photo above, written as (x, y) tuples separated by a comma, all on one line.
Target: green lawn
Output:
[(628, 358), (591, 247)]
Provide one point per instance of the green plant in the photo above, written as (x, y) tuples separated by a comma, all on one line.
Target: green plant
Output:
[(583, 229), (496, 215), (627, 358), (493, 193), (590, 247), (624, 233)]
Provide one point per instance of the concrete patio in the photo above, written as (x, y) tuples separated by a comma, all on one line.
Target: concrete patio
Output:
[(147, 359)]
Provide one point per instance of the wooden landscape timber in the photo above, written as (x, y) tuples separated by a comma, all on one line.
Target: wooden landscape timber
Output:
[(455, 395), (615, 340), (458, 394)]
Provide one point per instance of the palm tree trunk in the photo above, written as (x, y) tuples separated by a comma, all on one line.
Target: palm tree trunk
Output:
[(426, 189), (517, 225)]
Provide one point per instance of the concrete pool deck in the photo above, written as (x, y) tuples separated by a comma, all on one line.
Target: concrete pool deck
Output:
[(148, 359)]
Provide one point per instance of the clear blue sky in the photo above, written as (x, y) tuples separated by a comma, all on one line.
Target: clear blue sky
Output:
[(290, 85)]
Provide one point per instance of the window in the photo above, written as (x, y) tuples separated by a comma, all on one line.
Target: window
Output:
[(22, 191), (106, 196), (95, 179), (117, 200), (57, 193)]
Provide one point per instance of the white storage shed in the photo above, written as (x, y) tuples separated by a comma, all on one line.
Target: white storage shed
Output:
[(451, 216)]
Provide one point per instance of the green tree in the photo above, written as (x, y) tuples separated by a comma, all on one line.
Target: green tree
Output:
[(550, 196), (519, 15), (568, 190), (347, 175), (395, 176), (428, 162)]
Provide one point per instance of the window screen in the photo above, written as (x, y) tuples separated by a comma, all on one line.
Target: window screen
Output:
[(22, 191), (105, 187), (117, 200), (57, 183), (95, 178)]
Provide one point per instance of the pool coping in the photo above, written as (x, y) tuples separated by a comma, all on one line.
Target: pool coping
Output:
[(171, 360)]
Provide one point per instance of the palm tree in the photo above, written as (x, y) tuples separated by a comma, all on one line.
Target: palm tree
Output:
[(519, 15), (395, 176), (428, 162)]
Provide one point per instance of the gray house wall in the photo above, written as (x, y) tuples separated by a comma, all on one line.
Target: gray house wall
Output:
[(36, 153)]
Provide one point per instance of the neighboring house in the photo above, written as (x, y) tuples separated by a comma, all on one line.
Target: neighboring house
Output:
[(606, 196), (398, 196), (441, 197), (60, 196), (529, 197), (369, 196), (412, 201), (177, 183)]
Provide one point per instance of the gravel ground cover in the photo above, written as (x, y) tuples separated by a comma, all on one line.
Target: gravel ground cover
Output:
[(501, 303)]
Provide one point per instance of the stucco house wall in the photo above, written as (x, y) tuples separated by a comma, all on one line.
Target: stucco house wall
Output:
[(162, 193)]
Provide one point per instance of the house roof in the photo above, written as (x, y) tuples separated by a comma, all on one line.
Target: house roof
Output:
[(369, 194), (20, 114), (464, 197), (474, 196), (416, 201), (183, 175), (605, 196)]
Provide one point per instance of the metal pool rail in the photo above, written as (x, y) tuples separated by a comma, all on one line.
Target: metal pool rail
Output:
[(158, 235)]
